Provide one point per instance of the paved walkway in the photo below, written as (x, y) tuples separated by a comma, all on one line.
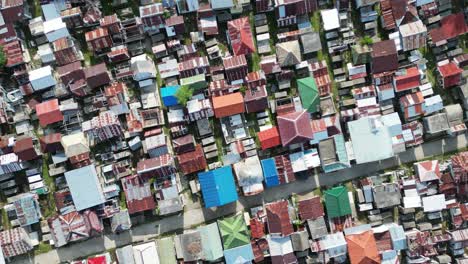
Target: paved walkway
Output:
[(197, 216)]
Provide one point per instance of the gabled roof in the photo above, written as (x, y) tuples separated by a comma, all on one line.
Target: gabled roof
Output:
[(384, 56), (409, 79), (309, 94), (295, 128), (227, 105), (278, 218), (269, 138), (218, 187), (449, 69), (48, 112), (310, 208), (362, 248), (337, 202), (234, 231), (240, 36)]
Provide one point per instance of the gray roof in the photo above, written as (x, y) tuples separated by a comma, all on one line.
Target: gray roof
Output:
[(436, 123), (300, 240), (327, 151), (311, 42), (454, 114), (317, 227), (289, 53), (387, 195), (125, 255), (121, 221)]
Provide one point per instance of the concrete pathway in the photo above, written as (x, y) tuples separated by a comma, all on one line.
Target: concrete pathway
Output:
[(196, 216)]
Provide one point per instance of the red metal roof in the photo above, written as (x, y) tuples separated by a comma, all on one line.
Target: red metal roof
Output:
[(408, 81), (449, 69), (97, 260), (295, 128), (311, 208), (278, 218), (257, 228), (193, 161), (234, 62), (49, 112), (269, 138), (384, 56), (240, 35), (138, 194), (451, 26), (95, 34), (51, 142)]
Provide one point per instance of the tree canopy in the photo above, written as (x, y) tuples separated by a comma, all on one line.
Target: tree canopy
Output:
[(3, 58), (184, 94)]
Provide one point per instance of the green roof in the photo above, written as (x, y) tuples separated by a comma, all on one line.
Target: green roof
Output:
[(166, 251), (211, 242), (195, 82), (309, 94), (234, 231), (337, 202)]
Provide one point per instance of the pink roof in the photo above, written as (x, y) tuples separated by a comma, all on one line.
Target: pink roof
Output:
[(240, 35), (295, 127)]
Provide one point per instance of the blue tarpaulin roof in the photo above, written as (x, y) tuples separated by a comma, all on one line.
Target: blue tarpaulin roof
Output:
[(218, 187), (239, 255), (269, 172), (168, 95)]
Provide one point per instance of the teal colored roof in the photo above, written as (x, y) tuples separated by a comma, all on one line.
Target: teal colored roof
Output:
[(337, 202), (234, 231), (169, 90), (309, 94), (211, 242), (166, 251)]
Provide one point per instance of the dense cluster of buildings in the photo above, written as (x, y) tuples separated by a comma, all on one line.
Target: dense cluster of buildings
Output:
[(118, 112)]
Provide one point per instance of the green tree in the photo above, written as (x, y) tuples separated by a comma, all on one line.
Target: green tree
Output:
[(3, 58), (366, 40), (166, 14), (184, 94)]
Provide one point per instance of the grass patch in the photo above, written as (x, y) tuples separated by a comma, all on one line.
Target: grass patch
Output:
[(447, 97), (254, 62), (318, 191), (5, 220), (42, 248), (35, 8), (123, 200), (47, 204)]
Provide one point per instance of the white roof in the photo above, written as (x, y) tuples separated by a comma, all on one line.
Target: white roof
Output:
[(53, 25), (434, 203), (40, 73), (302, 161), (412, 201), (412, 28), (330, 19), (280, 246), (146, 253)]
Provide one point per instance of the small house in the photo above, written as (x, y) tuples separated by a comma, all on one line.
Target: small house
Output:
[(98, 39), (236, 69), (295, 128), (138, 194), (97, 76), (406, 79), (278, 220), (218, 187), (168, 95), (228, 105), (413, 35), (450, 75), (428, 171), (192, 161), (384, 57), (42, 78), (289, 53), (48, 112), (362, 248), (337, 202), (256, 99), (55, 29), (85, 188), (152, 16), (269, 138), (309, 94), (15, 242), (240, 36), (25, 149), (143, 67), (175, 26)]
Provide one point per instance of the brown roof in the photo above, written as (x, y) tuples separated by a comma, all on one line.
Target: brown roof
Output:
[(183, 144), (295, 128), (310, 208), (278, 218), (234, 62), (96, 34), (97, 75), (24, 148), (174, 20), (51, 142), (227, 105), (384, 56), (193, 161)]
